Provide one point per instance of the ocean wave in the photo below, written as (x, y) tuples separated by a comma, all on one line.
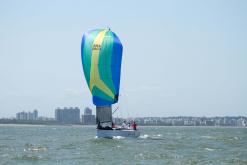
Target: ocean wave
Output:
[(152, 137), (144, 136), (118, 137), (27, 157), (207, 137), (209, 149), (36, 149)]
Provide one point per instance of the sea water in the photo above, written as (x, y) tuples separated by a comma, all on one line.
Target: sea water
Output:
[(68, 145)]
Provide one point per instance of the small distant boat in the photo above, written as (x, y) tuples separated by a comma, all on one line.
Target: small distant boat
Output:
[(101, 54)]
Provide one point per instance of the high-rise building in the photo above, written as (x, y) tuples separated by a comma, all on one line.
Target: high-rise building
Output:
[(68, 115), (35, 114), (27, 115), (88, 118), (18, 116), (87, 111)]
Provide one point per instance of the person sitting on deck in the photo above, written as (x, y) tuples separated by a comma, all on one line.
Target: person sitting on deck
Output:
[(113, 125), (99, 126), (124, 125), (104, 127), (128, 125), (107, 128), (134, 126)]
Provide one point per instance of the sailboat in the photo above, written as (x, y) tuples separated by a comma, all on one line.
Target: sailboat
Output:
[(101, 54)]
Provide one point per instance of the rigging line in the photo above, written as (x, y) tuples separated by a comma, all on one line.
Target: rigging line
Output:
[(115, 110)]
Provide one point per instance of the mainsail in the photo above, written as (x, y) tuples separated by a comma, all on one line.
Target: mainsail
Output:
[(101, 54)]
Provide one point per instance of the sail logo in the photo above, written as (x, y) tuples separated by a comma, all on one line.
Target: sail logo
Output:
[(96, 47)]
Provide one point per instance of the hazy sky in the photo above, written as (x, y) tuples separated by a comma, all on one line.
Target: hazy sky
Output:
[(179, 57)]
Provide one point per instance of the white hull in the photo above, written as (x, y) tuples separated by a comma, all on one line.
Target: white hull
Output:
[(115, 133)]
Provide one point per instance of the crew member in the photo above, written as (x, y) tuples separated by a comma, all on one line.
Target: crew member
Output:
[(124, 125), (134, 126), (113, 125), (99, 126)]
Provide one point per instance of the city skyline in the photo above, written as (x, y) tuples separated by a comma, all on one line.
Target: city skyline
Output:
[(84, 111), (71, 115), (180, 58)]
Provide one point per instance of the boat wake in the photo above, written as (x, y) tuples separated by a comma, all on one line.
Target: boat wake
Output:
[(118, 137)]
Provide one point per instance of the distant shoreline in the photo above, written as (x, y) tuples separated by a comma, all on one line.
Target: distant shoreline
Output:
[(228, 121), (80, 125), (11, 124)]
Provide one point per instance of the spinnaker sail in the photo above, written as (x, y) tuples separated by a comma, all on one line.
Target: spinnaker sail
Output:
[(101, 54)]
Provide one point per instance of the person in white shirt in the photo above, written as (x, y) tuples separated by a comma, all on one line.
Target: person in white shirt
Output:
[(124, 125)]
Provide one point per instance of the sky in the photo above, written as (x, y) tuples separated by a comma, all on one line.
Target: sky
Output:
[(180, 58)]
